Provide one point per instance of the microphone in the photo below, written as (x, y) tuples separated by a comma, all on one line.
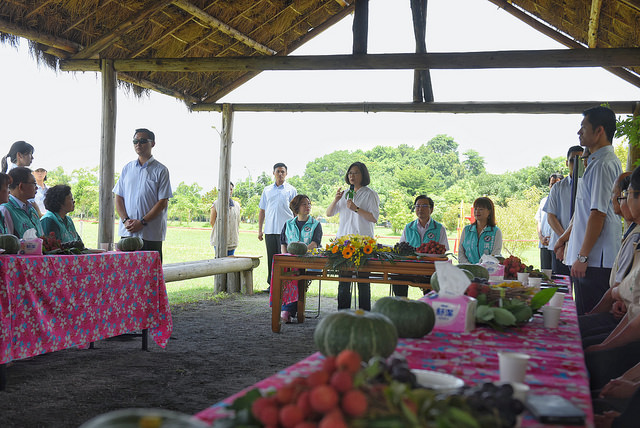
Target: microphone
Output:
[(350, 192)]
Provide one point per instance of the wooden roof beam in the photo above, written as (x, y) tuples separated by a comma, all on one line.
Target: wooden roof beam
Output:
[(109, 39), (219, 25), (559, 37), (45, 39), (568, 107), (594, 23), (554, 58)]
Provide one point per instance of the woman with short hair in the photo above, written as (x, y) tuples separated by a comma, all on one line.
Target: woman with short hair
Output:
[(59, 202), (482, 236)]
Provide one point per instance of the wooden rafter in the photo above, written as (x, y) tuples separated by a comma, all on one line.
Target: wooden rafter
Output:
[(215, 23), (569, 107), (553, 58), (559, 37), (594, 23), (109, 39), (37, 9), (45, 39)]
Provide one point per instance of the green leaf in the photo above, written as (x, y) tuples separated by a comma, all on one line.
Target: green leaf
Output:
[(542, 297), (503, 316), (484, 313)]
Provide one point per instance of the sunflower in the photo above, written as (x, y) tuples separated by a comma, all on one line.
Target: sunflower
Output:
[(334, 249), (368, 249), (346, 253)]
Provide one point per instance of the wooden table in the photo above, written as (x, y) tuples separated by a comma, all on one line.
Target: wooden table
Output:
[(288, 267)]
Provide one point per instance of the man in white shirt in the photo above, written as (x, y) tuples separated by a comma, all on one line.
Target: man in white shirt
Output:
[(593, 240), (543, 227), (274, 212)]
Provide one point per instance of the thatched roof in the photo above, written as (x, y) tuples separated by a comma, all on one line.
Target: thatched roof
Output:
[(153, 29)]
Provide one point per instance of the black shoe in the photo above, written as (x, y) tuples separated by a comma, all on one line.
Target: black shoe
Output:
[(267, 291)]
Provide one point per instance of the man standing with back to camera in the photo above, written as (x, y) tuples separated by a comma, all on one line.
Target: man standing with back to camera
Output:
[(142, 194), (274, 211), (594, 238)]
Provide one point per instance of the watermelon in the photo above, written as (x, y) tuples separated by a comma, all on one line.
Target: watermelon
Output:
[(10, 244), (412, 318), (477, 270), (297, 248)]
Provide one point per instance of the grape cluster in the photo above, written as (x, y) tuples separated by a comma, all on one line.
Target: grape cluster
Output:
[(485, 399), (432, 247), (404, 249), (395, 368)]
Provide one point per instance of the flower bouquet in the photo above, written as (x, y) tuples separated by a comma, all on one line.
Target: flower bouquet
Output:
[(349, 252)]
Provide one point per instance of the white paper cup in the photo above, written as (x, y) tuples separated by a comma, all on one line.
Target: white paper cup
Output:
[(557, 300), (551, 316), (523, 278), (104, 246), (547, 272), (513, 366), (535, 282)]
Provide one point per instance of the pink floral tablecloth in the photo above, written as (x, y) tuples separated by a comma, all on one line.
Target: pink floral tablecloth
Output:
[(48, 303), (556, 365)]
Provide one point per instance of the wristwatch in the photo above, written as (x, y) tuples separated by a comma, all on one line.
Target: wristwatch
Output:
[(143, 221), (582, 259), (124, 220)]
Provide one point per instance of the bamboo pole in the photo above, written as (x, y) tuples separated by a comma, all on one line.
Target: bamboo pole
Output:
[(568, 107), (361, 27), (107, 152), (634, 151), (594, 23), (226, 141), (551, 58)]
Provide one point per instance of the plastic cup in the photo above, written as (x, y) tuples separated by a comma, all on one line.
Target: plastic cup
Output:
[(104, 246), (535, 282), (513, 366), (551, 316), (523, 278), (557, 300), (547, 272)]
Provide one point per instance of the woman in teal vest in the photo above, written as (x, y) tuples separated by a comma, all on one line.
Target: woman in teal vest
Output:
[(4, 198), (59, 202), (301, 228), (482, 236)]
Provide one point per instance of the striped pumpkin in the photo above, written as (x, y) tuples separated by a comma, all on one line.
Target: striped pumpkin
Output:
[(412, 318), (367, 333)]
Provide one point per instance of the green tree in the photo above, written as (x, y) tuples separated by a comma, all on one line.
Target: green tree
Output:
[(186, 203), (57, 176), (516, 221), (397, 210), (473, 163), (84, 186), (250, 209)]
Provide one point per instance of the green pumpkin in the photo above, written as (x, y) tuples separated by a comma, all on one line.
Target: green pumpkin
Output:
[(477, 270), (412, 318), (10, 244), (130, 243), (369, 334), (297, 248), (435, 285)]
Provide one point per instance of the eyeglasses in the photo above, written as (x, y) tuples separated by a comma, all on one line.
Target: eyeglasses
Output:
[(141, 141), (628, 192), (306, 205), (621, 198), (422, 206)]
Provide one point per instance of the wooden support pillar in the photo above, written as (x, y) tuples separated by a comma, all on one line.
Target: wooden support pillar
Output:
[(223, 190), (634, 150), (107, 152), (360, 27), (422, 89)]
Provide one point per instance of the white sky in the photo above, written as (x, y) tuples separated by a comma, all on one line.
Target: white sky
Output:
[(60, 114)]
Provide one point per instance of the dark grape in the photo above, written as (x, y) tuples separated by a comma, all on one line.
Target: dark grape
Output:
[(404, 249)]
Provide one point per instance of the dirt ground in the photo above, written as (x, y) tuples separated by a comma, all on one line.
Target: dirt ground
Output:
[(216, 349)]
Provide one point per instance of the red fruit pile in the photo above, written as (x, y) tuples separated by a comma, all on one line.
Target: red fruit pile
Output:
[(49, 242), (513, 265), (476, 288), (431, 247), (324, 399)]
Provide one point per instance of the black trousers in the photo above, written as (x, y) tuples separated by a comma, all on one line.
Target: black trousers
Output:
[(272, 241), (558, 267), (590, 288), (153, 246), (364, 293), (545, 258)]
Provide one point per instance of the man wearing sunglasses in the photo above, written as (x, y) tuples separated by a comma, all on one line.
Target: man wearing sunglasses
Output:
[(142, 194)]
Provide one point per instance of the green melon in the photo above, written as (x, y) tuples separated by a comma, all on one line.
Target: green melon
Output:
[(477, 270), (10, 244), (297, 248), (130, 243), (367, 333), (412, 318), (435, 286)]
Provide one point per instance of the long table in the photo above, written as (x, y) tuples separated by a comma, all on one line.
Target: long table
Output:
[(49, 303), (287, 267), (556, 365)]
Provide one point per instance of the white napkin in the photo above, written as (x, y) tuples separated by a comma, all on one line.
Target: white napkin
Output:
[(453, 282)]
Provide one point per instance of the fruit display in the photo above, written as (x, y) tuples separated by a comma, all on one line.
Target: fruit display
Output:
[(297, 248), (344, 392), (513, 265), (404, 249), (367, 333), (431, 247), (412, 318)]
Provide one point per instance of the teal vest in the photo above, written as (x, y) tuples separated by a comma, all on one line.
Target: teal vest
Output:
[(296, 235), (3, 228), (21, 220), (67, 229), (474, 246), (431, 234)]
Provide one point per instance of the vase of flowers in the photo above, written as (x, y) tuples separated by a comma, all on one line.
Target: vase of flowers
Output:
[(349, 252)]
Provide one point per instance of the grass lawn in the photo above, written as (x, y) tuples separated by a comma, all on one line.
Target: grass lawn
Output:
[(192, 243)]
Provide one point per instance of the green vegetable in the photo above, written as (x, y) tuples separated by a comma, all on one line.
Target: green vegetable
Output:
[(542, 297), (297, 248), (503, 317), (412, 318), (130, 243), (477, 270), (10, 244)]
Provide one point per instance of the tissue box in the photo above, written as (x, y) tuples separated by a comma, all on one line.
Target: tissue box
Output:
[(496, 271), (455, 314), (33, 246)]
